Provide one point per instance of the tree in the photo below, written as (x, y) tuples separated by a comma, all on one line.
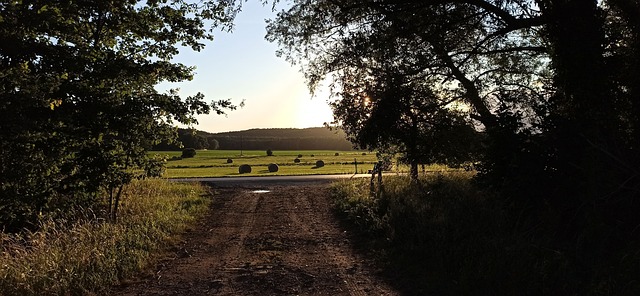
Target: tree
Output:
[(536, 74), (468, 57), (78, 104), (212, 143), (383, 109), (553, 84)]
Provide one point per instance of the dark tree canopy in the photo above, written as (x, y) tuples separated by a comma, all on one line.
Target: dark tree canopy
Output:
[(538, 76), (78, 105), (419, 61), (552, 85)]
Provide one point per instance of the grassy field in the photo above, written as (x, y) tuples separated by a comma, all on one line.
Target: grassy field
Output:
[(87, 256), (213, 163)]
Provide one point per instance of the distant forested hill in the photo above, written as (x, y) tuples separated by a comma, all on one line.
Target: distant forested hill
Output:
[(318, 138)]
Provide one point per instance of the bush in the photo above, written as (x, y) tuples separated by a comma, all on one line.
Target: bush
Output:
[(297, 160), (188, 152), (364, 153), (299, 155), (319, 163), (244, 169), (269, 152), (313, 155), (337, 154), (273, 167), (229, 160)]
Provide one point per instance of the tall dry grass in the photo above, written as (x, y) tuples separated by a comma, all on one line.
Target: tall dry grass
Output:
[(88, 256), (446, 237)]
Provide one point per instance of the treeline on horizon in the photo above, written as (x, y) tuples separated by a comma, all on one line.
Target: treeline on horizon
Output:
[(317, 138)]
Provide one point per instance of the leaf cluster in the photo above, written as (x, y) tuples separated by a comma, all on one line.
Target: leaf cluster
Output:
[(78, 105)]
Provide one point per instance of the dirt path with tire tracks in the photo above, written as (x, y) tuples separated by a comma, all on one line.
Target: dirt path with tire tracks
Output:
[(282, 242)]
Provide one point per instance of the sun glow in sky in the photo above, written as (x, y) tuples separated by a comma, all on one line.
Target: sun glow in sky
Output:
[(243, 66)]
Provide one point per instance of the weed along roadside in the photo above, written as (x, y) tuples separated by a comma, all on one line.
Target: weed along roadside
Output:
[(444, 236), (88, 256)]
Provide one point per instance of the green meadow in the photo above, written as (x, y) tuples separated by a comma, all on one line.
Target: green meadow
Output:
[(213, 163)]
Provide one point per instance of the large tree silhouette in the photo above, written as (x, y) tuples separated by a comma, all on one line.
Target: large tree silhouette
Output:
[(552, 83)]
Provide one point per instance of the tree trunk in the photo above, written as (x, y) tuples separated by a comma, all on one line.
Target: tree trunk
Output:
[(413, 173), (116, 203), (584, 119)]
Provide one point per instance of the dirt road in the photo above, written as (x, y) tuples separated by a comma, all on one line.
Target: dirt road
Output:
[(282, 242)]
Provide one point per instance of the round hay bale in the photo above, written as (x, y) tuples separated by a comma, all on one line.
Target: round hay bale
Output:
[(319, 163), (297, 160), (273, 167), (244, 169), (229, 160)]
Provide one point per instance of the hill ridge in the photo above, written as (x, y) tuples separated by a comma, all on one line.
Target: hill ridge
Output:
[(312, 138)]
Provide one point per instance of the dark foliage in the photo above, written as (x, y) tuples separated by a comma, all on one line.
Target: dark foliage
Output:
[(188, 153), (550, 85), (189, 138)]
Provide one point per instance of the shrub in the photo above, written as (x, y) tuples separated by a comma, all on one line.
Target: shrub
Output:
[(269, 152), (337, 154), (188, 152), (299, 155), (297, 160), (229, 160), (319, 163), (313, 155), (273, 167), (364, 153), (244, 169)]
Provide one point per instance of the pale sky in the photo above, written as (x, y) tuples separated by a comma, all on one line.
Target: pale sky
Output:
[(242, 65)]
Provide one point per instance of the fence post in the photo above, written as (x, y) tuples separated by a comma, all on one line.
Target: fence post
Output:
[(379, 169), (372, 186)]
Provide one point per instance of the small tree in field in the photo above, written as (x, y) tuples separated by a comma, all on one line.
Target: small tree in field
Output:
[(188, 153), (269, 152)]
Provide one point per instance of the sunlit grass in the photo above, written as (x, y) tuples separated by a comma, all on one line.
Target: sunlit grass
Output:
[(87, 257), (213, 163)]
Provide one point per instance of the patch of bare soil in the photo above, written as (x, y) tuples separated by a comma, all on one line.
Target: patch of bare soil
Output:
[(282, 242)]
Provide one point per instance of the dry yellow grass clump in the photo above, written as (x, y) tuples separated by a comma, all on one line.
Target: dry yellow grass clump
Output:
[(88, 256)]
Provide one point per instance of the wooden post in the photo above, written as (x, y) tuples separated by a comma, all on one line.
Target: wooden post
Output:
[(355, 162), (372, 186), (379, 169)]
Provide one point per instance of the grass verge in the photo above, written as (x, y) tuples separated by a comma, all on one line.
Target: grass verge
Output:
[(87, 257), (446, 237)]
